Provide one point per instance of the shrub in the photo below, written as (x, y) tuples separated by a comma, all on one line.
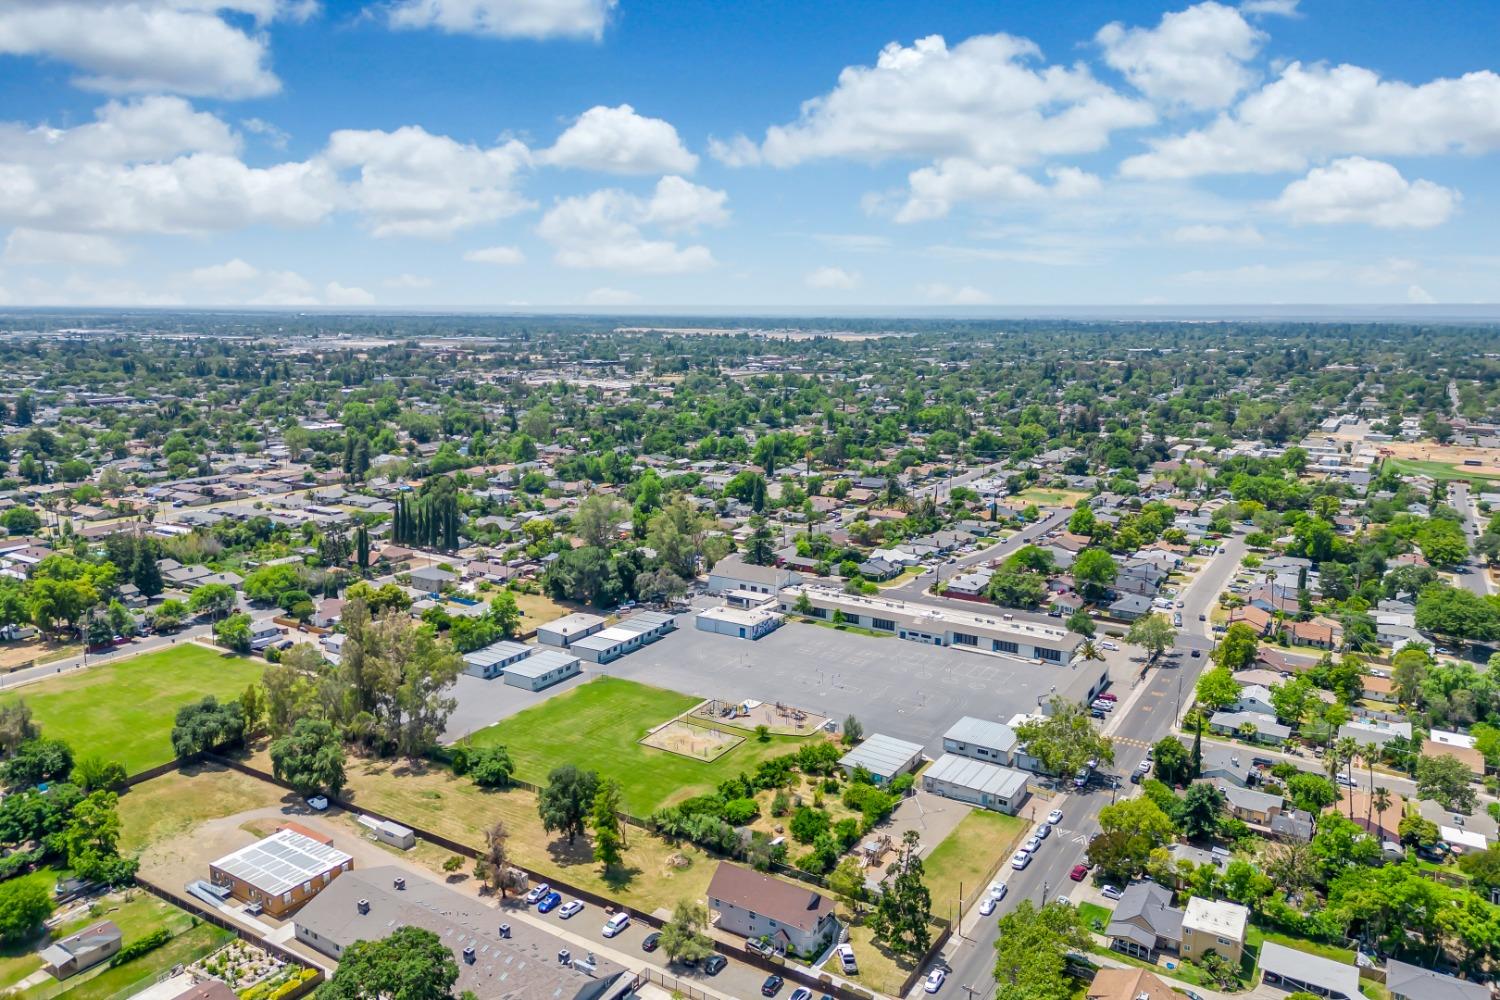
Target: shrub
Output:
[(141, 946), (738, 812), (808, 823)]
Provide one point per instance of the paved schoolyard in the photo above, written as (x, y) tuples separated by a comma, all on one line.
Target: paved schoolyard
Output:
[(901, 688), (483, 702)]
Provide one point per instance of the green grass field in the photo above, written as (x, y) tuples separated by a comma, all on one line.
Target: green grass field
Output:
[(124, 711), (967, 856), (1441, 471), (597, 725)]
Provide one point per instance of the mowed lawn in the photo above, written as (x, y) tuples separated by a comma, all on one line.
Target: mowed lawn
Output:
[(597, 726), (124, 711), (967, 856)]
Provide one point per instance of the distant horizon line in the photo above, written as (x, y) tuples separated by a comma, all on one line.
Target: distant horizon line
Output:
[(1319, 312)]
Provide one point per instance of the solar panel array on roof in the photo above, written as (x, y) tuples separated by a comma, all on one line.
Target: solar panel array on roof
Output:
[(279, 862)]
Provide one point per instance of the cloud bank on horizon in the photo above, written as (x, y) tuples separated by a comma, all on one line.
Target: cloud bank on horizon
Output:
[(584, 153)]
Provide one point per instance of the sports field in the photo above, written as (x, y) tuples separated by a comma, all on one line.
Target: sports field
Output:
[(597, 726), (124, 711), (1443, 471)]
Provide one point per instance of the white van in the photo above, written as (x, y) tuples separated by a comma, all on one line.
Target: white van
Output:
[(845, 953), (616, 924)]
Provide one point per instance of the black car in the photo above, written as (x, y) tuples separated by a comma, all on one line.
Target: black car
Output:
[(651, 941), (771, 986), (715, 964)]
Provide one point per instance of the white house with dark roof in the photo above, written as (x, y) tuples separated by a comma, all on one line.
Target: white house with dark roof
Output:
[(796, 918)]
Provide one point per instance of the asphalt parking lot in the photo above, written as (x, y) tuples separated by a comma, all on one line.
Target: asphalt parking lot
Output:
[(905, 689)]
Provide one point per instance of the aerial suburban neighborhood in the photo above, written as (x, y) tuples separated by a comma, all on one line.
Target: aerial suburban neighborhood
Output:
[(309, 659)]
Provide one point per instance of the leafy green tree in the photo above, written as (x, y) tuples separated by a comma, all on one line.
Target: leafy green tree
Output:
[(1064, 739), (144, 572), (609, 842), (233, 633), (212, 599), (565, 804), (1292, 699), (760, 549), (94, 773), (207, 725), (1031, 953), (310, 758), (20, 521), (1154, 633), (682, 937), (1080, 622), (1095, 571), (1311, 792), (1202, 808), (38, 760), (24, 905), (1171, 761), (1447, 780), (408, 964), (1238, 647), (903, 911), (491, 767), (1217, 689)]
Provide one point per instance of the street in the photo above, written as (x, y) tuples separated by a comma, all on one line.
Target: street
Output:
[(1146, 714)]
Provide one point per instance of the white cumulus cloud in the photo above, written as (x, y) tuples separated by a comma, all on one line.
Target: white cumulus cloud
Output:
[(1311, 113), (151, 46), (619, 141), (336, 294), (409, 182), (1358, 190), (1194, 58), (506, 18), (33, 246), (962, 295), (495, 255), (835, 278), (604, 229)]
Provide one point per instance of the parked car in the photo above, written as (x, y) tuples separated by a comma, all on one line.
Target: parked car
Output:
[(1042, 831), (317, 803), (1111, 892), (1106, 644), (1195, 654), (1032, 845), (935, 980), (801, 993), (1055, 817), (714, 964), (569, 909), (1079, 873), (537, 892), (616, 924), (1109, 696), (651, 941), (549, 902), (1102, 705), (987, 906), (1064, 900), (1082, 777), (845, 952), (1144, 767), (771, 986), (1020, 860), (998, 890)]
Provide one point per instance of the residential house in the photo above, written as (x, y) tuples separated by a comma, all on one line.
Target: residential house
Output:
[(1226, 763), (1255, 698), (1129, 984), (1145, 922), (1412, 982), (1257, 618), (1291, 970), (734, 573), (1381, 689), (1265, 728), (1130, 607), (83, 950), (1250, 805), (1215, 925), (1320, 633), (796, 918), (1375, 732)]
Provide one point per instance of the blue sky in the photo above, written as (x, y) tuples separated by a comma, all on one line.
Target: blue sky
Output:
[(599, 154)]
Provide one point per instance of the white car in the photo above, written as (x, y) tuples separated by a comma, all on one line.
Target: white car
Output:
[(537, 892), (1032, 845), (571, 908), (1020, 860), (1064, 900), (987, 905), (1054, 817), (998, 890), (317, 803), (935, 980), (1110, 892), (1106, 644), (616, 924), (1043, 830)]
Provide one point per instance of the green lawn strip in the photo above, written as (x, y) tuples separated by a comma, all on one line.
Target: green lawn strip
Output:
[(598, 725), (1090, 912), (124, 711), (1256, 936), (967, 856)]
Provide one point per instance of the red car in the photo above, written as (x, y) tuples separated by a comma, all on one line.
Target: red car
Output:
[(1079, 873), (1108, 696)]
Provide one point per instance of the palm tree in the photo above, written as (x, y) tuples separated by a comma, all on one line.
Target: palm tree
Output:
[(1089, 651), (1381, 801), (1347, 749)]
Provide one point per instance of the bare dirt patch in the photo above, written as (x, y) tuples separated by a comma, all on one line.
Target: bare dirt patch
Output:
[(697, 742)]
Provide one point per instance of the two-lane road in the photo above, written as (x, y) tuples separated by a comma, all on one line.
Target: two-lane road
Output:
[(1147, 714)]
